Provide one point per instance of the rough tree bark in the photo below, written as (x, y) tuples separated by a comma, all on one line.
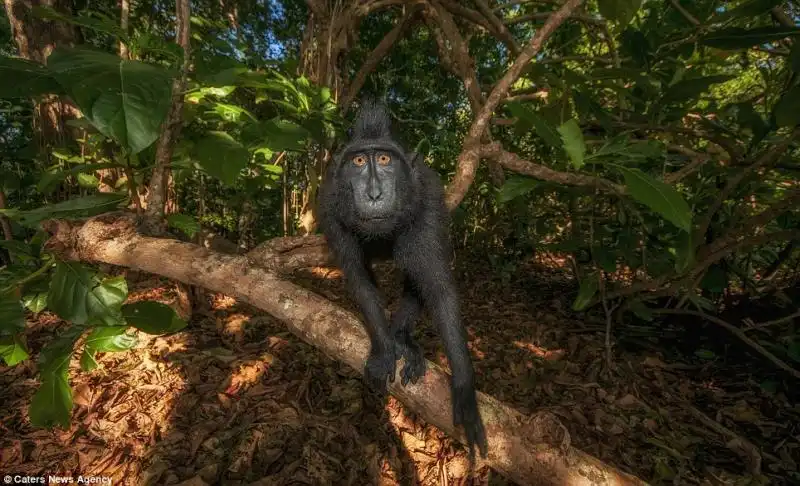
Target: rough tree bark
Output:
[(170, 130), (528, 450)]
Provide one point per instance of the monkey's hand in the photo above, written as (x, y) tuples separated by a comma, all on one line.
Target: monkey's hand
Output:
[(465, 412), (381, 365), (414, 367)]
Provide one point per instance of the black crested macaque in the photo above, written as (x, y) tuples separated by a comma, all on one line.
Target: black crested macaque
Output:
[(378, 201)]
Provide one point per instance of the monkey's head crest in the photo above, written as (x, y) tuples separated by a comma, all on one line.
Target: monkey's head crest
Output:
[(372, 121)]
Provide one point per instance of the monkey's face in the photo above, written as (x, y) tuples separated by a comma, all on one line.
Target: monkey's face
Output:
[(375, 177)]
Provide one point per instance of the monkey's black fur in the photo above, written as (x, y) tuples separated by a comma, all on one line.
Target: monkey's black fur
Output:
[(377, 201)]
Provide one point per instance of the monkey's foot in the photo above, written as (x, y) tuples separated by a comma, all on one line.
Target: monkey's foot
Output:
[(414, 367), (379, 368)]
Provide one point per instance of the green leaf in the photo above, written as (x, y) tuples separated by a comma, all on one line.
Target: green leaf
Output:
[(515, 187), (153, 317), (573, 142), (658, 196), (741, 38), (690, 89), (185, 223), (25, 79), (620, 11), (78, 207), (12, 314), (589, 287), (35, 302), (284, 135), (125, 100), (104, 302), (221, 156), (110, 339), (68, 291), (787, 110), (423, 148), (605, 259), (52, 402), (13, 350)]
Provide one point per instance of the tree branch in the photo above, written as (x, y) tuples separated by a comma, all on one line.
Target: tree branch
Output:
[(517, 164), (738, 333), (375, 57), (527, 450), (470, 156)]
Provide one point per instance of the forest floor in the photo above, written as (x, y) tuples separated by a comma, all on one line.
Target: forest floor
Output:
[(237, 399)]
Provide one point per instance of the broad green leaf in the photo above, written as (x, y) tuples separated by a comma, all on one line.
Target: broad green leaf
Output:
[(13, 350), (741, 38), (658, 196), (24, 79), (787, 110), (515, 187), (125, 100), (35, 301), (110, 339), (284, 135), (589, 287), (153, 317), (52, 402), (692, 88), (68, 291), (185, 223), (620, 11), (748, 9), (12, 314), (78, 207), (573, 142), (88, 360), (221, 156), (104, 302), (88, 181), (17, 248)]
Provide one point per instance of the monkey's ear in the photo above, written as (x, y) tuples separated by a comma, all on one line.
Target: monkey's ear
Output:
[(415, 158)]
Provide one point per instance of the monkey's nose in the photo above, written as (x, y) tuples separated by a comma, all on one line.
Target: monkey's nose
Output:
[(374, 193)]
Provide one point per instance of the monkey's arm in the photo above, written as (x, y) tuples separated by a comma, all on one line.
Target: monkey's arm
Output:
[(361, 286)]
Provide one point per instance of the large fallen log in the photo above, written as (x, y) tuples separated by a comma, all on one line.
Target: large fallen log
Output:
[(529, 450)]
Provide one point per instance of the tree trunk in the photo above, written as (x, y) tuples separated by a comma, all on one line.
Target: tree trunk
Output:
[(35, 39)]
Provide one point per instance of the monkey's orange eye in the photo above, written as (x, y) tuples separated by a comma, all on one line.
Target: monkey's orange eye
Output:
[(384, 159), (359, 160)]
